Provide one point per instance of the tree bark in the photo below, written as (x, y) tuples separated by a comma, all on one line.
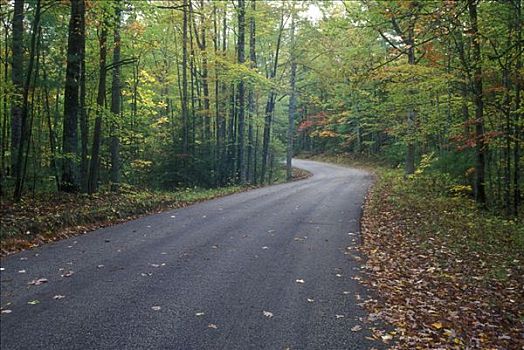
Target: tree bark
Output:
[(17, 78), (241, 91), (116, 102), (92, 185), (270, 105), (69, 181), (25, 129), (250, 174), (480, 148), (292, 103)]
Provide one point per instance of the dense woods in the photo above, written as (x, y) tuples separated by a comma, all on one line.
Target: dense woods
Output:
[(172, 94)]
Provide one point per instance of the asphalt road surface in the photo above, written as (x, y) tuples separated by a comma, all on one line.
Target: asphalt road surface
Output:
[(263, 269)]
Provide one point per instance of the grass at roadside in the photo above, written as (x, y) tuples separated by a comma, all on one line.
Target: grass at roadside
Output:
[(446, 273), (45, 218)]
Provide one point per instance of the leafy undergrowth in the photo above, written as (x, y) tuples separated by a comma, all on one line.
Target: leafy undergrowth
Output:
[(447, 275), (51, 217)]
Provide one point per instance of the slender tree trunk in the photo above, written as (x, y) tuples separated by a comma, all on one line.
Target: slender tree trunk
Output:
[(517, 130), (292, 103), (270, 107), (84, 123), (241, 8), (480, 166), (116, 102), (25, 130), (185, 112), (410, 151), (5, 114), (251, 95), (69, 181), (92, 185), (51, 131), (17, 78)]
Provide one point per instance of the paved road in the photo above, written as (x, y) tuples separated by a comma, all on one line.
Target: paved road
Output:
[(166, 281)]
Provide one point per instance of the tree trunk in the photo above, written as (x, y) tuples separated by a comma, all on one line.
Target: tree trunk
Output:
[(251, 95), (241, 91), (185, 112), (92, 185), (84, 123), (517, 132), (17, 78), (75, 52), (116, 103), (292, 104), (25, 129), (480, 148), (270, 107)]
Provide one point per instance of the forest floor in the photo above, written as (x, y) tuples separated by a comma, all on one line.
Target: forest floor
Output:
[(446, 274), (34, 221)]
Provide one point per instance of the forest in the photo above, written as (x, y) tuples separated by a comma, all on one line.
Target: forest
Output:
[(112, 110), (100, 95)]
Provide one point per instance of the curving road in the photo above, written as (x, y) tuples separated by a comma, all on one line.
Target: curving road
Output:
[(221, 274)]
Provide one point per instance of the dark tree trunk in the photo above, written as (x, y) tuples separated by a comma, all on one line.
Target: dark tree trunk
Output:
[(185, 111), (84, 123), (25, 129), (92, 185), (270, 105), (292, 104), (116, 103), (480, 166), (17, 78), (518, 91), (250, 175), (69, 181), (241, 170)]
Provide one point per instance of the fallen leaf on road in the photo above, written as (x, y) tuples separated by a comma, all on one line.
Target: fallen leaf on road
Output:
[(68, 274), (212, 325), (300, 281), (267, 314), (356, 328), (38, 282)]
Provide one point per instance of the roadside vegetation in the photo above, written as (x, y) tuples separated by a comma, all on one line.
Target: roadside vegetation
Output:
[(48, 217), (446, 273)]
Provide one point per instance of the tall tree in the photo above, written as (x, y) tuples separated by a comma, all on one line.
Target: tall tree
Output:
[(270, 105), (241, 169), (25, 126), (70, 181), (94, 165), (478, 99), (292, 101), (17, 78), (116, 101), (250, 173)]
